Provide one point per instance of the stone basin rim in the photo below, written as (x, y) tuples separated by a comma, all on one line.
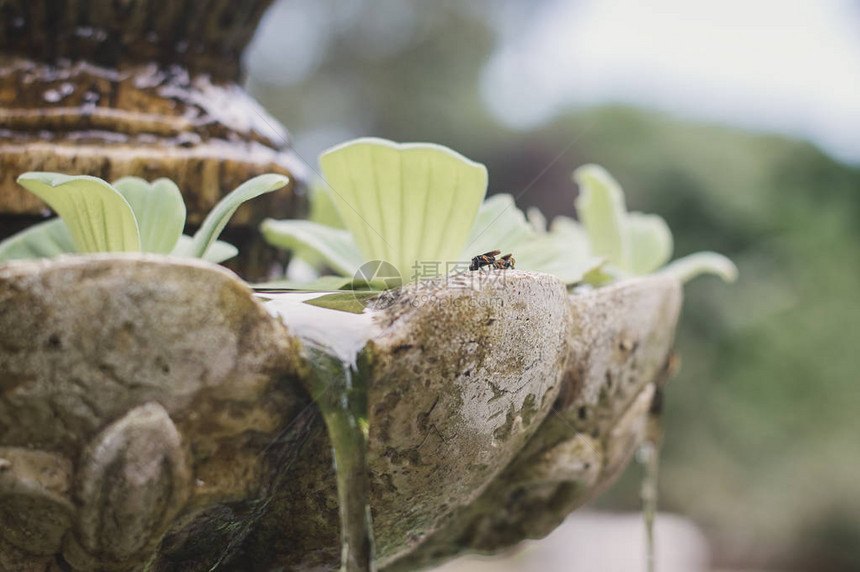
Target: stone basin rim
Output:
[(540, 297), (17, 268)]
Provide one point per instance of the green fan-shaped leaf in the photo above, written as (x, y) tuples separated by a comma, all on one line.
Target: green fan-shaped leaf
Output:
[(570, 227), (650, 242), (602, 212), (98, 217), (323, 209), (556, 254), (337, 247), (564, 251), (405, 203), (44, 240), (159, 210), (692, 265), (500, 225), (536, 219), (218, 217), (218, 251)]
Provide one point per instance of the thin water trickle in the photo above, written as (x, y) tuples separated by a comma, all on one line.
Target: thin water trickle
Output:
[(649, 456), (341, 394), (334, 341)]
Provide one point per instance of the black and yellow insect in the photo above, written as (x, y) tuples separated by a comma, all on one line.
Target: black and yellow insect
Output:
[(505, 262), (486, 259), (489, 259)]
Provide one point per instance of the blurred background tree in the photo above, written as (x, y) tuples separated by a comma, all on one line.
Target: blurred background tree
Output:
[(762, 422)]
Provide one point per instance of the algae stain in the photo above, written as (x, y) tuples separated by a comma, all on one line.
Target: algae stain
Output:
[(340, 391), (529, 409)]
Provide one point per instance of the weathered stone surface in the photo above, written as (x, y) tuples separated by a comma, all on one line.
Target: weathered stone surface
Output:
[(133, 479), (135, 367), (35, 501), (461, 374), (495, 409), (620, 340), (459, 384)]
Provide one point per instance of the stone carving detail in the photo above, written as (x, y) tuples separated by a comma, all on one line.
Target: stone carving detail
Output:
[(153, 416), (35, 504), (134, 478)]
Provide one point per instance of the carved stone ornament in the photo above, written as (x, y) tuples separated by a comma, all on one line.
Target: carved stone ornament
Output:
[(155, 414)]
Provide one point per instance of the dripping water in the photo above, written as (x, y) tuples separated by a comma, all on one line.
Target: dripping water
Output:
[(340, 391), (338, 384), (649, 456)]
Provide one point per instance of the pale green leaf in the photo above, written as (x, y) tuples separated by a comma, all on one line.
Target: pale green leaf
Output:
[(500, 225), (159, 210), (650, 242), (570, 228), (43, 240), (352, 302), (218, 217), (602, 212), (601, 275), (97, 216), (555, 254), (323, 209), (575, 257), (536, 219), (690, 266), (336, 247), (218, 251), (563, 252), (405, 203)]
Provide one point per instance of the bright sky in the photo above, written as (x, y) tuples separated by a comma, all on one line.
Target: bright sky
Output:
[(787, 66)]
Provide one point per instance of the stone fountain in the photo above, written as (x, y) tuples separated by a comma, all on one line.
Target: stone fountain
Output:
[(154, 412), (157, 414)]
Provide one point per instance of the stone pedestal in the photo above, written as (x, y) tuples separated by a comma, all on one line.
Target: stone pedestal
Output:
[(145, 88)]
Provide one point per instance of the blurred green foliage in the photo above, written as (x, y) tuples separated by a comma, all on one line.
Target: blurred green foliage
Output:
[(761, 422)]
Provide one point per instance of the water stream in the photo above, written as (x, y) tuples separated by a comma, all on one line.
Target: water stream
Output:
[(341, 395), (649, 455), (333, 340)]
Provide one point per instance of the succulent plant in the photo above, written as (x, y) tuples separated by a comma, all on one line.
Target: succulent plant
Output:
[(412, 203), (130, 215)]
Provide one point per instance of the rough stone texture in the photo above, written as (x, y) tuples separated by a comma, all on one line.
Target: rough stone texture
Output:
[(461, 373), (144, 121), (144, 381), (620, 341), (463, 380), (161, 397), (134, 479), (145, 88), (34, 502)]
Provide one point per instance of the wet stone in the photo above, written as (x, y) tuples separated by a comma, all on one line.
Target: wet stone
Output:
[(148, 379)]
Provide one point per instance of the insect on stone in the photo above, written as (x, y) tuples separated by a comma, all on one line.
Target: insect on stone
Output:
[(489, 259)]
